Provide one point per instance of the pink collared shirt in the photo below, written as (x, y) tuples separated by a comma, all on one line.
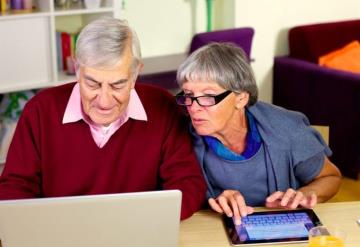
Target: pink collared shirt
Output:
[(102, 134)]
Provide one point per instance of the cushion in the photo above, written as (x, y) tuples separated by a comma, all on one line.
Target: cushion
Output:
[(346, 58), (309, 42), (240, 36)]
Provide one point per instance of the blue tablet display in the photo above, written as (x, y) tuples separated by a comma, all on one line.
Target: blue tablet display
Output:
[(274, 226)]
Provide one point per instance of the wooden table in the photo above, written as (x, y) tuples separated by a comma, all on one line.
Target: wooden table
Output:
[(205, 228)]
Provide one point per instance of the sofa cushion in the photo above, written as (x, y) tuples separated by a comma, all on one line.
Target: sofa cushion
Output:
[(309, 42), (242, 37), (346, 58)]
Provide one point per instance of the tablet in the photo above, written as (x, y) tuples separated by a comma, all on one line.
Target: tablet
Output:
[(284, 226)]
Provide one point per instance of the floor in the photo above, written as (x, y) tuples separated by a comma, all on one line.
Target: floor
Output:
[(349, 191)]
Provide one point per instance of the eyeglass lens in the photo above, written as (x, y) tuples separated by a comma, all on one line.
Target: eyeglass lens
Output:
[(187, 100)]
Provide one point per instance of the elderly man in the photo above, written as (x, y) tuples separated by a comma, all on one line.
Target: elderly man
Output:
[(103, 134)]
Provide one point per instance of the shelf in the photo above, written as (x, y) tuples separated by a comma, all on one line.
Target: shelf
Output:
[(29, 55), (64, 78), (83, 11), (23, 86), (38, 27), (12, 15)]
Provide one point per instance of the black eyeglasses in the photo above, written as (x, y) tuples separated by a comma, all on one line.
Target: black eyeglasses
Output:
[(205, 100)]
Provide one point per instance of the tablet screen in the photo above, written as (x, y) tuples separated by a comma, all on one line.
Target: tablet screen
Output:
[(272, 227)]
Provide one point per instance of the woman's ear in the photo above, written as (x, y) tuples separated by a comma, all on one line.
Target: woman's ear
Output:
[(241, 100)]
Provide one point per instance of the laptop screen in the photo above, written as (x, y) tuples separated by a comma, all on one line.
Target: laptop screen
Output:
[(127, 219)]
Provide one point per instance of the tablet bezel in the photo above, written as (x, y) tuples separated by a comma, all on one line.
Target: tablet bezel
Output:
[(235, 240)]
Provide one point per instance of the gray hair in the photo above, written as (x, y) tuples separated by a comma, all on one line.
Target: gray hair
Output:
[(102, 42), (223, 63)]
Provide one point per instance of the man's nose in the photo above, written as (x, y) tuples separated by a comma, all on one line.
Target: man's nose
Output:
[(105, 98)]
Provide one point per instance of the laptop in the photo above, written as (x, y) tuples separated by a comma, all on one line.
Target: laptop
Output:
[(121, 220)]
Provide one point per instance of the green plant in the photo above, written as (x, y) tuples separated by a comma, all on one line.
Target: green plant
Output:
[(13, 103)]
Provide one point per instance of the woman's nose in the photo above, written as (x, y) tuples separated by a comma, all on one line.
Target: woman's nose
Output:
[(194, 106)]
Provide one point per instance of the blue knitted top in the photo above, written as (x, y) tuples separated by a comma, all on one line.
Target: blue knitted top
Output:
[(290, 155)]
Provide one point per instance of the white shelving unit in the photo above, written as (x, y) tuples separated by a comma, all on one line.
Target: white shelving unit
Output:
[(28, 56)]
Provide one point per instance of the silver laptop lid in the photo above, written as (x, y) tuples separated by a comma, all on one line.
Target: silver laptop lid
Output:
[(127, 219)]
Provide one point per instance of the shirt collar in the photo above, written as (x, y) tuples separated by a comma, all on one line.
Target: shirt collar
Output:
[(74, 112)]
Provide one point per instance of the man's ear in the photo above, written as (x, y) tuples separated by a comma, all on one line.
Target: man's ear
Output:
[(136, 73), (242, 100)]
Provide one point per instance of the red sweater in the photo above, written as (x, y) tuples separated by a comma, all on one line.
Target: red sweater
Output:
[(47, 158)]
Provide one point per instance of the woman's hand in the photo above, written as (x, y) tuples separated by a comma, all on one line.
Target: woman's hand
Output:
[(291, 199), (232, 203)]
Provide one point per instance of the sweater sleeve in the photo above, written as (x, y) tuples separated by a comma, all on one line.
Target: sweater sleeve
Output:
[(180, 168), (21, 176), (308, 151)]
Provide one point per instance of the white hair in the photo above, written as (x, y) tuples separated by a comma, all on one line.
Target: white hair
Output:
[(224, 63), (102, 42)]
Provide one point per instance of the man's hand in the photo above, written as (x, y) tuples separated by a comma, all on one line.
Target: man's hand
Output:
[(291, 199), (232, 203)]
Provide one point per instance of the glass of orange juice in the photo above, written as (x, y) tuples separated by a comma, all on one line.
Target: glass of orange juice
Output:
[(322, 236)]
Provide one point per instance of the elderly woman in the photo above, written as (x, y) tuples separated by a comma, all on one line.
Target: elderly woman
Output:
[(251, 153)]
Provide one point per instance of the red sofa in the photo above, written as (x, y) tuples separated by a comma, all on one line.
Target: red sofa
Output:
[(327, 96)]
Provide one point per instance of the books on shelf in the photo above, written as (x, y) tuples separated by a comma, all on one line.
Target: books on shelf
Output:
[(65, 46), (4, 5), (16, 5)]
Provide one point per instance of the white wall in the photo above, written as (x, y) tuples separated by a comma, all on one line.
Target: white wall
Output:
[(271, 21), (165, 27)]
